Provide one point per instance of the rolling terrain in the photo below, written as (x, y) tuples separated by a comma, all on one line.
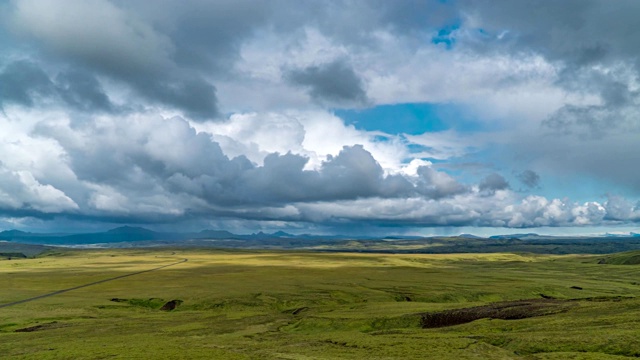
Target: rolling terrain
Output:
[(251, 304)]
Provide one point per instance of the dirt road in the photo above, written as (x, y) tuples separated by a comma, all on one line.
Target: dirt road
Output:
[(89, 284)]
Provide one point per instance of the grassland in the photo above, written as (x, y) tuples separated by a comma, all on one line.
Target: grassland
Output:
[(305, 305)]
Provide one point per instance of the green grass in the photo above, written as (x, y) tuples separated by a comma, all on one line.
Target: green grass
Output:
[(304, 305), (626, 258)]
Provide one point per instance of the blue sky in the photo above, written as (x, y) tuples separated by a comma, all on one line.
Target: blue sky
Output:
[(421, 117)]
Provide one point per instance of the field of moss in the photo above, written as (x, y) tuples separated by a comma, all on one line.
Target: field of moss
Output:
[(307, 305)]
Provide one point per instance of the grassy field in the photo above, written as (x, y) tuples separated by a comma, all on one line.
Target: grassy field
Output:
[(305, 305)]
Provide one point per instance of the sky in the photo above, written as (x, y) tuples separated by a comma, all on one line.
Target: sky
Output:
[(369, 117)]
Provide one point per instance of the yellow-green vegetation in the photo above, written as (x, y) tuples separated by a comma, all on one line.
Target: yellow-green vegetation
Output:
[(306, 305), (626, 258)]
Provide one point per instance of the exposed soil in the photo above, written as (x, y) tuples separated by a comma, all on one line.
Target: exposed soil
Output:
[(299, 310), (171, 305), (508, 310), (51, 325)]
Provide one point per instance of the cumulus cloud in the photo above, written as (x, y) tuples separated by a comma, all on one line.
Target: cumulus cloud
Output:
[(20, 192), (162, 168), (148, 160), (107, 109)]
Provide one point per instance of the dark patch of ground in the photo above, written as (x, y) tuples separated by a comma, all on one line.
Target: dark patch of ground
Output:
[(51, 325), (151, 303), (299, 310), (12, 255), (171, 305), (508, 310), (605, 298)]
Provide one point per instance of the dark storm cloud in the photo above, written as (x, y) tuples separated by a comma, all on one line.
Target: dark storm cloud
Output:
[(529, 178), (137, 164), (82, 90), (119, 44), (207, 35), (578, 32), (195, 96), (333, 83), (21, 81), (24, 82), (171, 53), (352, 174)]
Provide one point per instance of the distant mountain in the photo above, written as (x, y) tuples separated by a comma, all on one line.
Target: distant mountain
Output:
[(282, 234), (131, 230), (11, 234), (138, 234), (516, 236), (121, 234), (17, 234), (13, 243), (469, 236)]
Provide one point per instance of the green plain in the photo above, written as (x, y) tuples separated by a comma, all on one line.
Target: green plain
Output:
[(310, 305)]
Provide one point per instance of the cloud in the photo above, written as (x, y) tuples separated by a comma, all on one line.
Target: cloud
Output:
[(103, 37), (168, 155), (21, 192), (594, 46), (436, 185), (529, 178), (83, 91), (107, 109), (501, 209), (333, 83), (621, 209), (25, 83), (21, 81), (163, 167), (493, 182)]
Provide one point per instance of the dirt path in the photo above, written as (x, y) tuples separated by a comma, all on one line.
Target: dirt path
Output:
[(89, 284)]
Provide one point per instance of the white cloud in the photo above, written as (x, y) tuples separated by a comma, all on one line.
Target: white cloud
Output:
[(315, 134)]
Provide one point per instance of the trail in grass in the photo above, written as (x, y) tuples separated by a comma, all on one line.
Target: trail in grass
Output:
[(89, 284)]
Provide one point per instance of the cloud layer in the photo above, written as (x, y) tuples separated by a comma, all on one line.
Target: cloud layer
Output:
[(214, 112)]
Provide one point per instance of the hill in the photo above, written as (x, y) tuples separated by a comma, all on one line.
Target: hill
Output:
[(625, 258)]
